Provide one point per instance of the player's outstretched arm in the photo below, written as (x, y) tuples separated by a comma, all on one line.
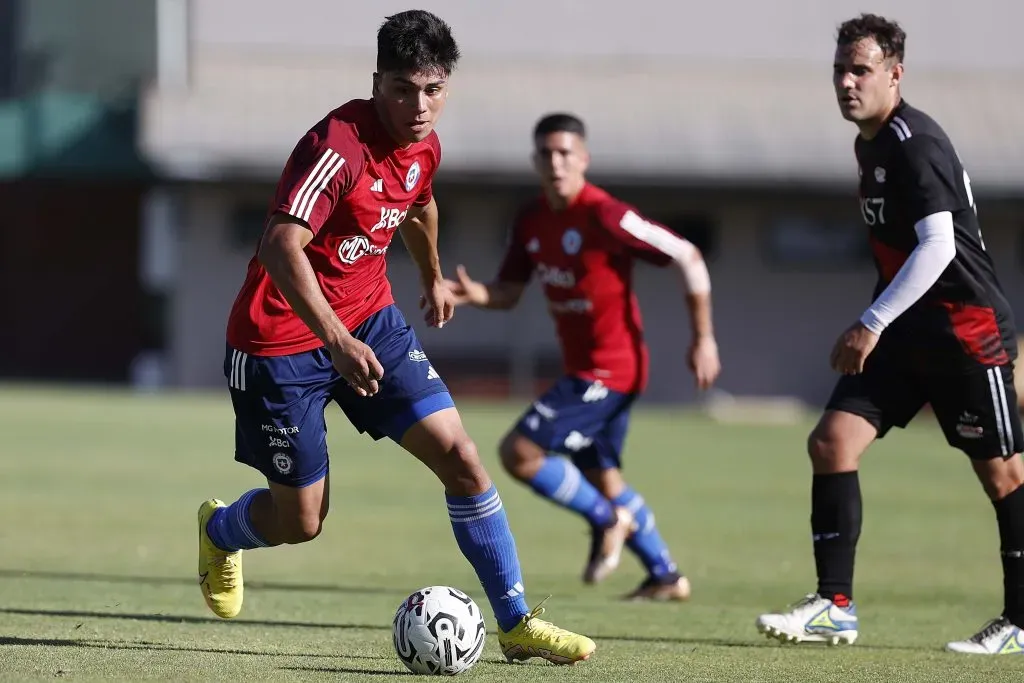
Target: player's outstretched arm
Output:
[(693, 273), (281, 254), (656, 243), (497, 295)]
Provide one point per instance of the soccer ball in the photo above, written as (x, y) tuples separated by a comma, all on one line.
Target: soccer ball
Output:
[(438, 630)]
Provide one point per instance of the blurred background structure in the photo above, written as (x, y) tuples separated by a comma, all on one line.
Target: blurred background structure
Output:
[(140, 141)]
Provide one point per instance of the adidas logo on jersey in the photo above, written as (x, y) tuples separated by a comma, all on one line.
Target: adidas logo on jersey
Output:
[(432, 373), (377, 186)]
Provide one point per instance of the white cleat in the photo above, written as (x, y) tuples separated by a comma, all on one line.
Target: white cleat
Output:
[(606, 546), (812, 620), (997, 637)]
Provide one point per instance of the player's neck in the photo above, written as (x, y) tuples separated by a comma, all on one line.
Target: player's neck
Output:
[(399, 143), (559, 203), (869, 129)]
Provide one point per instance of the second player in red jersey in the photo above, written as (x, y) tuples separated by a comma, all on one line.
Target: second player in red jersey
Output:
[(583, 257), (581, 244)]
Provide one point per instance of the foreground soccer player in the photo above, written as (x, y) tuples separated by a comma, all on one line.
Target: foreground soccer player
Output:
[(939, 331), (581, 244), (315, 322)]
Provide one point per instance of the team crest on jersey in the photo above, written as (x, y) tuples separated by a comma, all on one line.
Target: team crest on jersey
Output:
[(533, 246), (412, 177), (879, 174), (572, 241)]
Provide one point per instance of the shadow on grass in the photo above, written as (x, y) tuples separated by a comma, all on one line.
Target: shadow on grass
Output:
[(188, 619), (182, 581), (344, 670), (145, 645)]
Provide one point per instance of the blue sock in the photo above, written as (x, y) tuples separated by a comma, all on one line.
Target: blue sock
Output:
[(481, 530), (561, 482), (231, 529), (646, 543)]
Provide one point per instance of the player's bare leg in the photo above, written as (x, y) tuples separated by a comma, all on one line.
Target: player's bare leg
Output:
[(290, 515), (482, 532), (1002, 479), (259, 519), (664, 582), (829, 614), (561, 482)]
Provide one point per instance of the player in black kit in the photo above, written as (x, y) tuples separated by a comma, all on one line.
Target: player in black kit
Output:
[(939, 332)]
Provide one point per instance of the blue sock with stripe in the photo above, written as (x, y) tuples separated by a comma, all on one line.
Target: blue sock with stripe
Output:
[(231, 528), (482, 532), (561, 482), (646, 543)]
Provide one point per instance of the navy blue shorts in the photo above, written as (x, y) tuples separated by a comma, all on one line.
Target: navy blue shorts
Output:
[(582, 419), (279, 401)]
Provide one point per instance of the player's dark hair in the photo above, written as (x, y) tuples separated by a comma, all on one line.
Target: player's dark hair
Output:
[(560, 123), (888, 34), (416, 41)]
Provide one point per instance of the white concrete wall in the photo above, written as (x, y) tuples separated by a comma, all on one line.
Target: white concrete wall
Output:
[(979, 34), (720, 91)]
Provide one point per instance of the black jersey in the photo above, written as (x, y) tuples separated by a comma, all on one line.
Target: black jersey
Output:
[(910, 170)]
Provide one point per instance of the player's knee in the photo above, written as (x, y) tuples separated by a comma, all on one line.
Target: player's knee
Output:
[(520, 457), (511, 458), (837, 441), (466, 474), (826, 449), (1000, 477)]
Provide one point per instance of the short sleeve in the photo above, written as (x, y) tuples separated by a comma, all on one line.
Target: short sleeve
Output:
[(319, 172), (516, 265), (927, 177), (427, 192), (643, 238)]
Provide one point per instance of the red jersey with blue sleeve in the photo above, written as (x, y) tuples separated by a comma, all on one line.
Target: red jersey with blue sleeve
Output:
[(583, 256), (349, 183)]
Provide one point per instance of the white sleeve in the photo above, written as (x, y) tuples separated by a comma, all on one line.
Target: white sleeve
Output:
[(934, 251)]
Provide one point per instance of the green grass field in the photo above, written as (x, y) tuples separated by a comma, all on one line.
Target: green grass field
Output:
[(98, 492)]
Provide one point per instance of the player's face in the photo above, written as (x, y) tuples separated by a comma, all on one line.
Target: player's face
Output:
[(410, 103), (866, 83), (561, 160)]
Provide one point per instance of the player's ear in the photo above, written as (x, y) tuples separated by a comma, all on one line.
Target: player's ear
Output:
[(376, 83), (897, 74)]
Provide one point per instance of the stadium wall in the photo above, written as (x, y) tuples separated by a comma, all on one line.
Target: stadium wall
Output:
[(789, 268)]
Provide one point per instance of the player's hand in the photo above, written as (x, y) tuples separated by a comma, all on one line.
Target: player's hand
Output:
[(357, 365), (704, 362), (439, 303), (466, 290), (853, 348)]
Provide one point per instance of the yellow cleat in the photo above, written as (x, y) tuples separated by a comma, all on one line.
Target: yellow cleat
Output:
[(220, 572), (534, 637)]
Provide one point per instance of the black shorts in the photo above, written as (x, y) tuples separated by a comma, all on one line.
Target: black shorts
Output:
[(976, 408)]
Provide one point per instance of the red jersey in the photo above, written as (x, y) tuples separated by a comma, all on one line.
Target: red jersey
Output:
[(352, 186), (583, 257)]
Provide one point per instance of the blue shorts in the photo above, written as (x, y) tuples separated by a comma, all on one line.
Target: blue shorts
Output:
[(582, 419), (279, 401)]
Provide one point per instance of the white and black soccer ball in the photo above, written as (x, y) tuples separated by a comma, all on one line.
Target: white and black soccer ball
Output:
[(438, 630)]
